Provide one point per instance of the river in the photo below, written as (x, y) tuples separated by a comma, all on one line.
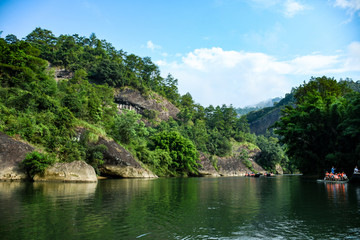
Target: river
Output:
[(281, 207)]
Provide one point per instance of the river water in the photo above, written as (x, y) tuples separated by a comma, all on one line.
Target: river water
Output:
[(281, 207)]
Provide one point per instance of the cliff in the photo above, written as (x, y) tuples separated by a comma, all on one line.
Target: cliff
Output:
[(152, 106)]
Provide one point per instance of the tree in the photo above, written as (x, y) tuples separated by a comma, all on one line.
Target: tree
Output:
[(181, 150), (311, 129), (44, 40)]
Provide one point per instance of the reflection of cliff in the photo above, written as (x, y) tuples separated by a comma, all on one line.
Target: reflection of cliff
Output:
[(7, 189)]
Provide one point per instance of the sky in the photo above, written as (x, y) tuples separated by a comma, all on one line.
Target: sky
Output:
[(237, 52)]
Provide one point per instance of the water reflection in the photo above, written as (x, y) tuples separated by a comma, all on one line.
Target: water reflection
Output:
[(72, 191), (336, 192), (179, 208)]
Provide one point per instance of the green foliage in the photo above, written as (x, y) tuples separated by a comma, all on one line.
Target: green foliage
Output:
[(127, 127), (95, 156), (244, 157), (317, 133), (271, 153), (36, 163), (218, 144), (181, 150), (48, 113)]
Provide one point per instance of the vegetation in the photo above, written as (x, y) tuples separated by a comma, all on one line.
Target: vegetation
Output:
[(36, 162), (323, 129), (51, 113)]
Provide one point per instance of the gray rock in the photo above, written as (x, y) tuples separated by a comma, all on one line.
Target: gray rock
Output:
[(231, 165), (132, 99), (207, 169), (126, 171), (77, 171), (119, 163), (12, 153)]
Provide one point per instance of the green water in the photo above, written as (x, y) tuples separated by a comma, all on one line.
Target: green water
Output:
[(181, 208)]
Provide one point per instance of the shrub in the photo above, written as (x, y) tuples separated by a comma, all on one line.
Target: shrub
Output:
[(36, 162)]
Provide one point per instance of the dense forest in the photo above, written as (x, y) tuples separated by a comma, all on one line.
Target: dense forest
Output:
[(45, 112)]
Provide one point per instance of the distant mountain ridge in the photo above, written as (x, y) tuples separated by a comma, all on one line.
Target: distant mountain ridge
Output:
[(258, 106)]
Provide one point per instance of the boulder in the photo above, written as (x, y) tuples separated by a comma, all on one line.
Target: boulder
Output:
[(77, 171), (119, 163), (12, 153)]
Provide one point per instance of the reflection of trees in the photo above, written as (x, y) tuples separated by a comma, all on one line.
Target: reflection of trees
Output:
[(46, 210), (174, 208)]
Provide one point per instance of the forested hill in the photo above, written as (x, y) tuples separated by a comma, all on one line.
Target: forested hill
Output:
[(48, 113), (258, 106), (260, 120)]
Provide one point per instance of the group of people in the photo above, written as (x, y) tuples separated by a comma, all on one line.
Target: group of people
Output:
[(332, 176)]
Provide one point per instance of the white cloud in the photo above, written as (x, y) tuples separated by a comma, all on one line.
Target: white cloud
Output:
[(352, 62), (152, 46), (292, 7), (215, 76), (351, 6), (289, 8)]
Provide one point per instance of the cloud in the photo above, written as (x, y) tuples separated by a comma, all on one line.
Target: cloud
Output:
[(352, 62), (292, 7), (351, 7), (288, 8), (150, 45), (215, 76)]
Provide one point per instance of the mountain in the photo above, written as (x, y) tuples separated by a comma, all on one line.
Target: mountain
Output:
[(258, 106), (260, 120)]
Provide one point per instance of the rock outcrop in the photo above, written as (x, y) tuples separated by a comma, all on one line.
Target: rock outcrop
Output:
[(12, 152), (151, 106), (231, 165), (207, 168), (76, 171), (119, 163)]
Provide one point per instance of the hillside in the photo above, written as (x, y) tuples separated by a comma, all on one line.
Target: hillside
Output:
[(261, 120), (75, 98)]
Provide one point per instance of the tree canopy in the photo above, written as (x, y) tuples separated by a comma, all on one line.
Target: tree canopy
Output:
[(321, 130)]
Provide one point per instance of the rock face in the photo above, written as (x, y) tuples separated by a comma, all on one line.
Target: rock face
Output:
[(152, 106), (207, 169), (229, 166), (12, 152), (77, 171), (119, 163)]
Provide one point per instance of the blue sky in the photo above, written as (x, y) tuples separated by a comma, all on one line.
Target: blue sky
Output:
[(236, 52)]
